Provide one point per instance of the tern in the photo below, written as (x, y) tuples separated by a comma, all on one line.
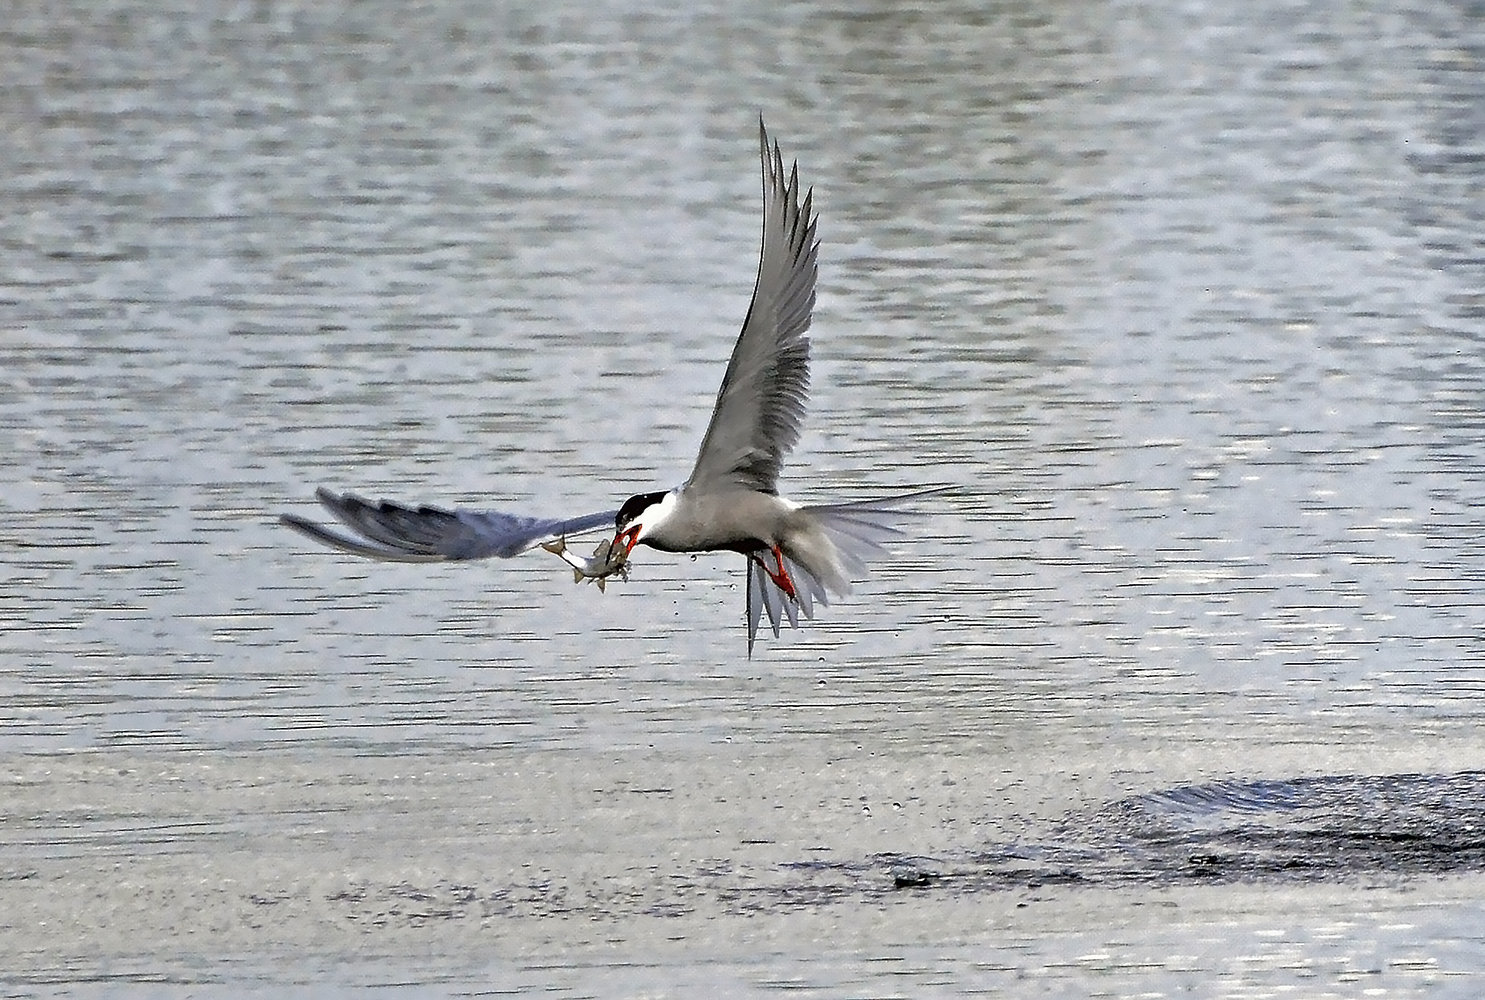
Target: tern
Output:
[(796, 554)]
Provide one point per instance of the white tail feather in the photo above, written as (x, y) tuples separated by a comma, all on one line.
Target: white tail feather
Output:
[(847, 536)]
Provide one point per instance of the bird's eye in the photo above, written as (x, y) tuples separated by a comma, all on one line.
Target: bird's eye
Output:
[(634, 507)]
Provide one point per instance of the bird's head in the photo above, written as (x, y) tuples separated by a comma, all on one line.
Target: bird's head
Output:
[(641, 515)]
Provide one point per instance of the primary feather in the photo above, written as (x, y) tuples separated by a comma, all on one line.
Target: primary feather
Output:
[(760, 406), (393, 532)]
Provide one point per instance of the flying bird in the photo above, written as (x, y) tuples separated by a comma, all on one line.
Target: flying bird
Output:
[(796, 554)]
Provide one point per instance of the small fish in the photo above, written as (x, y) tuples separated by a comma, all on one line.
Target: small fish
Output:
[(608, 560)]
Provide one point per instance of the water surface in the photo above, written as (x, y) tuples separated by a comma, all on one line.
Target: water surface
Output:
[(1186, 300)]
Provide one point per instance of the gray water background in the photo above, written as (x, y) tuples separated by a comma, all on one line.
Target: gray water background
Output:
[(1186, 297)]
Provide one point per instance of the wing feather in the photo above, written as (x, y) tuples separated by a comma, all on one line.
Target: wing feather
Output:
[(760, 406), (393, 532)]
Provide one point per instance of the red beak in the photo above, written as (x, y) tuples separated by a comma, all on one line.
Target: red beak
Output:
[(627, 538)]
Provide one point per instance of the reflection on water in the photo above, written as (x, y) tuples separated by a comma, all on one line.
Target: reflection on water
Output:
[(1187, 299)]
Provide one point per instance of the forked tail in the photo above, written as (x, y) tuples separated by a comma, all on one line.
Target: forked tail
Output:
[(846, 536)]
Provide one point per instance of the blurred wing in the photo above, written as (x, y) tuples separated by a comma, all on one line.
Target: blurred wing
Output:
[(392, 532), (760, 406)]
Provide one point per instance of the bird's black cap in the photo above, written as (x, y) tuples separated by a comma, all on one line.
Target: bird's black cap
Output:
[(635, 506)]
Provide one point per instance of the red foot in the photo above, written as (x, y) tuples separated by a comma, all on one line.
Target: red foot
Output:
[(781, 579)]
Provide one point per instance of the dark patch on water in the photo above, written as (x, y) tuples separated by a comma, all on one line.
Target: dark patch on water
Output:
[(1275, 831), (1304, 828), (1294, 830)]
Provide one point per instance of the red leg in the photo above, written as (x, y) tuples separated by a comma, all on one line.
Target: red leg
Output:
[(781, 578)]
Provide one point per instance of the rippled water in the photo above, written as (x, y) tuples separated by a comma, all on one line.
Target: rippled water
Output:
[(1187, 299)]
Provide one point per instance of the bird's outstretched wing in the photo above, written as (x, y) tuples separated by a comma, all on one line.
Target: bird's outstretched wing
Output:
[(760, 406), (394, 533)]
